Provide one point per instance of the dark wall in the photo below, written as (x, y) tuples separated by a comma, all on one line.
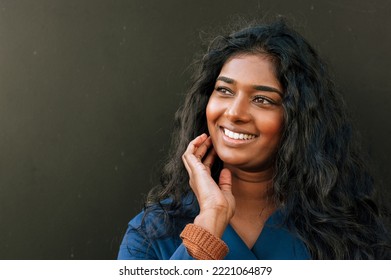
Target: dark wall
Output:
[(88, 90)]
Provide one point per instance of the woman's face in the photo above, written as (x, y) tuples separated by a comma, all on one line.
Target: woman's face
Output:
[(245, 113)]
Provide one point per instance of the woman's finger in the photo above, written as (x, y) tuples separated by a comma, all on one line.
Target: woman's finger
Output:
[(210, 158), (184, 160), (196, 143), (193, 146), (194, 164), (225, 181), (203, 149)]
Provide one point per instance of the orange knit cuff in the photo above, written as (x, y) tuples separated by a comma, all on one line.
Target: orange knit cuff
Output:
[(202, 245)]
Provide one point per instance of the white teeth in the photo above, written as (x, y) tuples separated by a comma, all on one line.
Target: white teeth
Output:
[(236, 136)]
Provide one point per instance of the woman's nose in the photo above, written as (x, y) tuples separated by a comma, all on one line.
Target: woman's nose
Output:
[(238, 109)]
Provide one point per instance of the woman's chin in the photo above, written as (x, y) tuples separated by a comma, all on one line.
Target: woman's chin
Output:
[(232, 161)]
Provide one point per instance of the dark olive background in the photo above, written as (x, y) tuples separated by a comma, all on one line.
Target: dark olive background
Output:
[(88, 91)]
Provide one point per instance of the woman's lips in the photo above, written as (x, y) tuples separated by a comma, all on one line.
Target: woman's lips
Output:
[(237, 136)]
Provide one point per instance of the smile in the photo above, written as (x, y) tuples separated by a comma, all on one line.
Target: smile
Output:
[(238, 136)]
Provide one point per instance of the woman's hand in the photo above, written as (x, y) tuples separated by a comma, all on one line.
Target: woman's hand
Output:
[(217, 204)]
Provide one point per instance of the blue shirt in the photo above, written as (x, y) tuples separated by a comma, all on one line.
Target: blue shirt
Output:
[(274, 243)]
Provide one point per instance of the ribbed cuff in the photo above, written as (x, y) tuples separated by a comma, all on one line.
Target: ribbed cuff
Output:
[(202, 245)]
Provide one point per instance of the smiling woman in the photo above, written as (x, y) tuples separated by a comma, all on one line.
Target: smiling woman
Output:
[(264, 164), (246, 103)]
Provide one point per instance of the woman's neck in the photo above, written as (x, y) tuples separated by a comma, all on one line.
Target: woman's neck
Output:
[(253, 191)]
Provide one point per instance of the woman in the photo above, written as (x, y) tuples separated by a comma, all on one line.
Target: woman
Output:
[(264, 165)]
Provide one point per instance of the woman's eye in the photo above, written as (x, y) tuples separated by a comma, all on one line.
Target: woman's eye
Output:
[(223, 91), (263, 100)]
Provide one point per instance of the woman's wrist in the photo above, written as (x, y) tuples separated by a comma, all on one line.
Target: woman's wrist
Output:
[(212, 221)]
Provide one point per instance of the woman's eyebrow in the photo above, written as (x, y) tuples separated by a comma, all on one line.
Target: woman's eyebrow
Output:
[(226, 79), (257, 87), (267, 88)]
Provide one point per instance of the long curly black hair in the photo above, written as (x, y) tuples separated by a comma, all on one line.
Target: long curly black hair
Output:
[(321, 182)]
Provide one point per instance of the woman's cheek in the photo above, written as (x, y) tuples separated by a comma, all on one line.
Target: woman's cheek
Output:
[(214, 109)]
